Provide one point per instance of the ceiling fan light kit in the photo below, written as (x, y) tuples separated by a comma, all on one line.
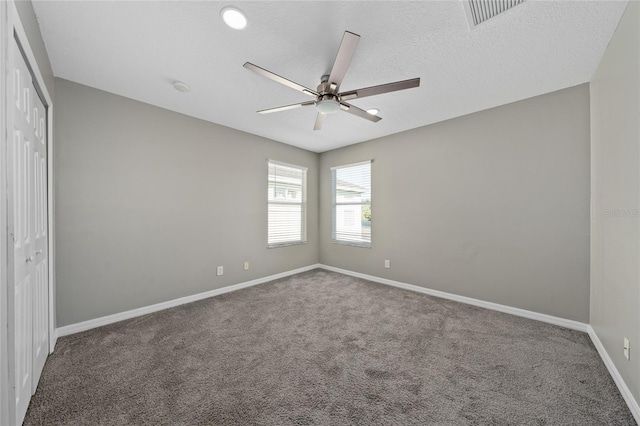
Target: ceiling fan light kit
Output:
[(328, 98), (328, 104)]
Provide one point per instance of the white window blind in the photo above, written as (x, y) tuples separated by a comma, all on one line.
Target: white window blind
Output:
[(351, 196), (287, 204)]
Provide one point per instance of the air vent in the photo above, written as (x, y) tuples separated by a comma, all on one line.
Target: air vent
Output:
[(479, 11)]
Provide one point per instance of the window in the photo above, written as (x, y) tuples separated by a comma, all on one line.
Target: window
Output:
[(351, 197), (287, 204)]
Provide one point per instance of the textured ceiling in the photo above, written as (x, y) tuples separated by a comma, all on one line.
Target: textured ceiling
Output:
[(137, 49)]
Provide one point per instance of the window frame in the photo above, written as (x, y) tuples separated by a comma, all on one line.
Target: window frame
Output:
[(335, 204), (302, 204)]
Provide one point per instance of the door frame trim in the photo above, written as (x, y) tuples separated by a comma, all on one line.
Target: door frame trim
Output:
[(15, 29), (4, 364)]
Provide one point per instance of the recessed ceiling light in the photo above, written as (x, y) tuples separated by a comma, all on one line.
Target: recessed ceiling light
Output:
[(234, 18), (373, 111), (181, 86)]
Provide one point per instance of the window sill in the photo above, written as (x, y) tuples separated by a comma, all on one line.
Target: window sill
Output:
[(352, 243), (291, 243)]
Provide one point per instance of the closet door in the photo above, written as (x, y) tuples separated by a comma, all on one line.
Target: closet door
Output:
[(27, 154), (20, 149), (40, 299)]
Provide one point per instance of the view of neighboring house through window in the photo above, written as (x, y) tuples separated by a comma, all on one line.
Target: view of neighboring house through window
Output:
[(287, 204), (351, 194)]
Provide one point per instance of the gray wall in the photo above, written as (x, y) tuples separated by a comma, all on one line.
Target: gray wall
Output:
[(493, 205), (615, 247), (149, 202)]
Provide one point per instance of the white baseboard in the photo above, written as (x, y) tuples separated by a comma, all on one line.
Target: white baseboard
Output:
[(110, 319), (615, 374), (562, 322)]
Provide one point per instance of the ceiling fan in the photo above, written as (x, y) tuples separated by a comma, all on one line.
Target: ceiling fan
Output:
[(328, 98)]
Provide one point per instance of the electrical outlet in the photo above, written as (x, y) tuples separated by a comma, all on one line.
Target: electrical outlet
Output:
[(626, 348), (246, 266), (220, 270), (387, 263)]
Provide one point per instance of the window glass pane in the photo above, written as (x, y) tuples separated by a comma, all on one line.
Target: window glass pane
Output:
[(353, 183), (286, 195), (285, 223), (351, 187)]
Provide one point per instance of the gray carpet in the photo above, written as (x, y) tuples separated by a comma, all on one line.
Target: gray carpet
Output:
[(326, 349)]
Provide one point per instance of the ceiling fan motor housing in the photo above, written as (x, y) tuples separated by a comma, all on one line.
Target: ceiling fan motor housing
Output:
[(327, 101)]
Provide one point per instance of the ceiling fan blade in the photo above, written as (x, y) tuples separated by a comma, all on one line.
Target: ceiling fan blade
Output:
[(360, 113), (343, 58), (319, 120), (279, 79), (286, 107), (378, 90)]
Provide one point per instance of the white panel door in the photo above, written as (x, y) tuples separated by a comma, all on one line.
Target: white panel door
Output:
[(27, 154), (20, 154), (40, 299)]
